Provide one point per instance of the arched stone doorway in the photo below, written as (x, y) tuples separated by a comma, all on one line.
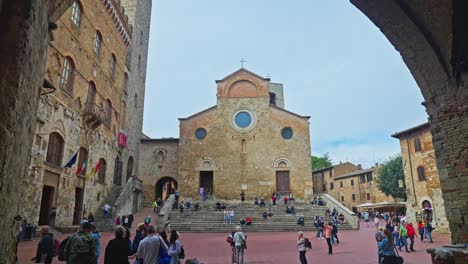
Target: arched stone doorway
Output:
[(165, 187)]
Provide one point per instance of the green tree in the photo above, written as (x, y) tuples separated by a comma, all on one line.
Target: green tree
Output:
[(389, 174), (321, 162)]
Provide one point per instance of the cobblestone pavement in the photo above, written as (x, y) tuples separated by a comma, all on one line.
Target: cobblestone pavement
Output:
[(356, 247)]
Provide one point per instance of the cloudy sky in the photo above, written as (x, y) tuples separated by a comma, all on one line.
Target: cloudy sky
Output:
[(336, 66)]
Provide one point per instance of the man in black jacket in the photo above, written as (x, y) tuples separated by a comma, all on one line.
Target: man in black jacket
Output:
[(44, 253)]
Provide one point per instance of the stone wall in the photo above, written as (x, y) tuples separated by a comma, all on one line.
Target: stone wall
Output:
[(158, 159)]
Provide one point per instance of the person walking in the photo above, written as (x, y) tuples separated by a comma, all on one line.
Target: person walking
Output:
[(273, 198), (131, 218), (80, 247), (242, 196), (328, 230), (174, 247), (44, 252), (421, 230), (97, 242), (411, 235), (428, 230), (52, 216), (301, 247), (376, 222), (106, 213), (386, 248), (181, 207), (403, 237), (148, 250), (155, 207), (118, 250), (240, 244), (139, 235), (334, 233), (187, 206)]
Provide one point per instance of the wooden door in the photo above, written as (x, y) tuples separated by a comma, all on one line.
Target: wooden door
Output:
[(77, 211), (46, 204), (206, 181), (282, 182)]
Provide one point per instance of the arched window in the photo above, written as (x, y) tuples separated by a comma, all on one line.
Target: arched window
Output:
[(67, 75), (417, 144), (76, 13), (108, 113), (118, 171), (55, 149), (113, 62), (102, 171), (97, 43), (82, 158), (421, 174), (91, 99), (129, 167)]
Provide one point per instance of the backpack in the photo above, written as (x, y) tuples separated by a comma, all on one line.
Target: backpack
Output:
[(307, 243), (55, 247), (182, 253), (61, 252)]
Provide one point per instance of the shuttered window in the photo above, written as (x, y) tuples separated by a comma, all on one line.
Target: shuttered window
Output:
[(55, 149)]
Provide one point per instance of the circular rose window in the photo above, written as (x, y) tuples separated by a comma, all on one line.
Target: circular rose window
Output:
[(243, 119), (287, 133), (200, 133)]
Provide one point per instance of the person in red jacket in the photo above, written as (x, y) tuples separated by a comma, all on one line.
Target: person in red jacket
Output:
[(411, 235)]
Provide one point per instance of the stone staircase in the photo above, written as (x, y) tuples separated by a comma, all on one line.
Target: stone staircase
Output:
[(207, 219)]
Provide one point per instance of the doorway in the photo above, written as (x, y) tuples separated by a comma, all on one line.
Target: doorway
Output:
[(282, 182), (206, 181), (77, 211), (46, 204), (165, 187)]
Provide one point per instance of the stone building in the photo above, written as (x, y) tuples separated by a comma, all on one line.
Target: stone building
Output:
[(247, 142), (422, 180), (86, 113), (349, 184), (323, 177)]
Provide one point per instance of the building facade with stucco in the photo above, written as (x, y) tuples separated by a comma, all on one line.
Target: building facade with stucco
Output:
[(424, 196), (247, 142)]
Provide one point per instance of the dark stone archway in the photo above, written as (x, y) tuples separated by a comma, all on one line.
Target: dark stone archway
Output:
[(164, 187), (432, 39)]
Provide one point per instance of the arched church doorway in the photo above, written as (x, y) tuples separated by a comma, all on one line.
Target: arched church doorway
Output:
[(165, 187)]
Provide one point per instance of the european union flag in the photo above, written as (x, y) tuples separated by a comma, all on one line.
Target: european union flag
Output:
[(72, 161)]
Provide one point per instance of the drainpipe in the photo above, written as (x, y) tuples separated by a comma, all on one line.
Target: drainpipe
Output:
[(411, 169)]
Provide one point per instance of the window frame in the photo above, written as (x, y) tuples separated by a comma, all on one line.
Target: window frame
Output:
[(97, 43), (55, 149), (102, 171), (332, 186), (421, 173), (76, 13), (67, 75), (417, 144), (108, 109)]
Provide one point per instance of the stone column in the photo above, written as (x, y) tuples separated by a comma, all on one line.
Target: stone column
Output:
[(449, 126), (24, 35)]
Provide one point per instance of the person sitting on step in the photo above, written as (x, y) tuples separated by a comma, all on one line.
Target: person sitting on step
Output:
[(248, 220), (218, 206), (262, 202), (270, 213), (264, 215), (293, 210), (288, 209), (256, 200), (242, 221), (300, 220)]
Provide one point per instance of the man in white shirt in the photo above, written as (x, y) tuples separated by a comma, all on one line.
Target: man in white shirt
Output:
[(106, 214), (148, 250), (239, 243)]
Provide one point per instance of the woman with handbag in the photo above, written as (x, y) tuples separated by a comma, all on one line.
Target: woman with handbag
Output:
[(387, 249)]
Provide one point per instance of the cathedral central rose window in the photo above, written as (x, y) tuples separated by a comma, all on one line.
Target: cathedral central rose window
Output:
[(243, 119)]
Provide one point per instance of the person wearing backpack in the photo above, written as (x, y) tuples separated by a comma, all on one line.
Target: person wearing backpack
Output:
[(97, 241), (240, 245), (80, 247), (301, 247), (45, 247)]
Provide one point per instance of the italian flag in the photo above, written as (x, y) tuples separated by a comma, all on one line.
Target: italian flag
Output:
[(95, 170), (82, 167)]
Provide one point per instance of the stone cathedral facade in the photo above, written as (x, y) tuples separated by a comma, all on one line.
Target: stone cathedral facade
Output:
[(247, 142)]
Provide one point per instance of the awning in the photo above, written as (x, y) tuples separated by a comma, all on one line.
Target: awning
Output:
[(390, 204), (365, 205)]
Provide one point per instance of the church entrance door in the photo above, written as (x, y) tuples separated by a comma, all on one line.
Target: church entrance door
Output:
[(206, 181), (282, 182)]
